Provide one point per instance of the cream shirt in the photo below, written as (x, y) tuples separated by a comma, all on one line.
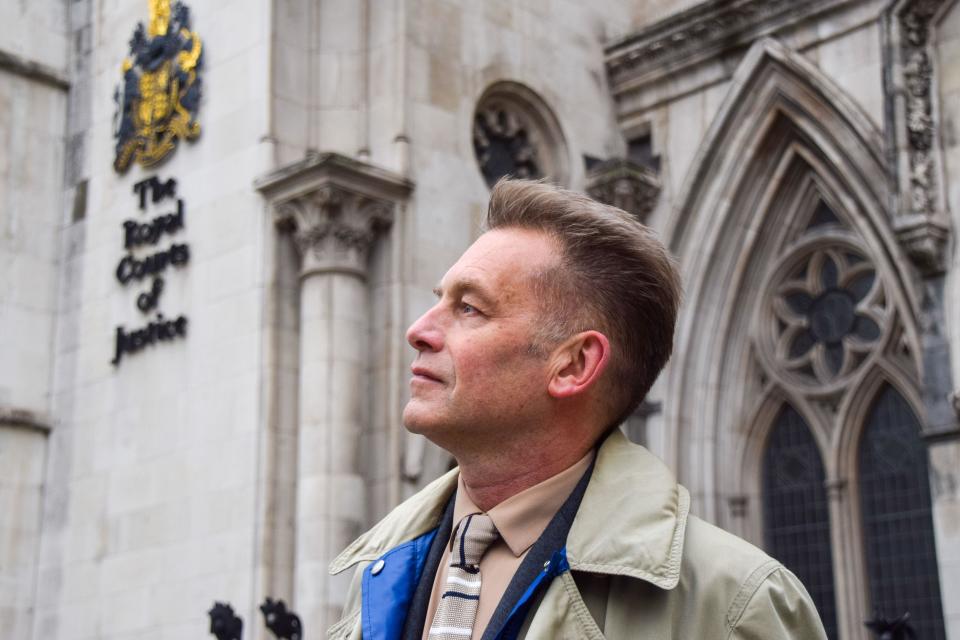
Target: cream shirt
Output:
[(520, 519)]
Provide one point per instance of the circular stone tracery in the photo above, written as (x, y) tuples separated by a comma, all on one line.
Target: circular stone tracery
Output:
[(832, 316), (829, 309)]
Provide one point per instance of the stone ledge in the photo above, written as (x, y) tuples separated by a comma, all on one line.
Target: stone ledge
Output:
[(301, 177), (701, 33), (33, 70), (19, 417), (925, 241)]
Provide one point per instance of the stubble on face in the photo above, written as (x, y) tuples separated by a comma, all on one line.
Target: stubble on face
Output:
[(478, 376)]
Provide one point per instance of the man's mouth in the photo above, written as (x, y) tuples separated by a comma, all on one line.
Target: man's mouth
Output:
[(419, 373)]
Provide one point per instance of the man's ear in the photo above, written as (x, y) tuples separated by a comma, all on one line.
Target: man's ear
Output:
[(578, 363)]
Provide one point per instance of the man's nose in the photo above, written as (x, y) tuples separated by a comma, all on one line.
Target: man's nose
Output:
[(425, 333)]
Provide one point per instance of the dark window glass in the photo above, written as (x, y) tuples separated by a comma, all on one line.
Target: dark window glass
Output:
[(795, 512), (640, 150), (897, 523)]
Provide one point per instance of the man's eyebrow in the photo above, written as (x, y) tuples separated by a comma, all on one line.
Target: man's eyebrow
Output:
[(461, 287)]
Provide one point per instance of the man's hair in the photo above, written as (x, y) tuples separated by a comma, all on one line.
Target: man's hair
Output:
[(614, 276)]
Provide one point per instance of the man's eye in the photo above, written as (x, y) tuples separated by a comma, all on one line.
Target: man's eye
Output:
[(468, 308)]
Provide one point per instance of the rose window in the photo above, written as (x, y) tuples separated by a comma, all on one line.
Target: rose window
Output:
[(830, 312)]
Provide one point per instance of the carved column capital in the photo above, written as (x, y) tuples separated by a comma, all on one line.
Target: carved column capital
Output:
[(333, 228), (334, 208), (626, 185)]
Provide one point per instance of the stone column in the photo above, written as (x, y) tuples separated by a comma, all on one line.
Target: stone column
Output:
[(333, 230), (334, 209), (849, 573)]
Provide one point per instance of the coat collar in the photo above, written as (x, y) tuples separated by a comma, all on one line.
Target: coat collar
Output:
[(631, 520)]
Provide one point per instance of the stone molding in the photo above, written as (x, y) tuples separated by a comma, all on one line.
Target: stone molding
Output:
[(32, 70), (703, 32), (19, 417), (334, 207), (626, 185), (924, 238), (920, 221)]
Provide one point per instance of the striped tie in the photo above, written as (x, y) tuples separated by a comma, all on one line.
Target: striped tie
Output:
[(457, 609)]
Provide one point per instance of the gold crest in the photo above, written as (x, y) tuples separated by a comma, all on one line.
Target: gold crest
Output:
[(158, 100)]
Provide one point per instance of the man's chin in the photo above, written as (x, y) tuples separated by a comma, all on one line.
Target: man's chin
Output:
[(424, 421), (417, 419)]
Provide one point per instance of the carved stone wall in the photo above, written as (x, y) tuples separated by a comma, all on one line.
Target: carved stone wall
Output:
[(920, 220), (626, 185)]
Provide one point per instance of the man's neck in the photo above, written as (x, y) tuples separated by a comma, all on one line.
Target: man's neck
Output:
[(490, 482)]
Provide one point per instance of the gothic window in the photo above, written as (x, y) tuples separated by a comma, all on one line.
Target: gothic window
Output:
[(829, 307), (640, 151), (897, 523), (827, 323), (795, 512), (503, 145), (515, 134)]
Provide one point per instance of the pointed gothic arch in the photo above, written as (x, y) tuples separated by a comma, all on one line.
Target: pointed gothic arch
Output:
[(782, 119), (790, 187)]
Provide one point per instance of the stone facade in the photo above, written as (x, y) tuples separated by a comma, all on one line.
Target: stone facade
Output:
[(343, 163)]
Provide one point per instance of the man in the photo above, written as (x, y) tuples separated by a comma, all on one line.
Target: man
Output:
[(546, 334)]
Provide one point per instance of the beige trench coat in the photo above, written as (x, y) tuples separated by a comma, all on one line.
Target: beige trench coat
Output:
[(641, 567)]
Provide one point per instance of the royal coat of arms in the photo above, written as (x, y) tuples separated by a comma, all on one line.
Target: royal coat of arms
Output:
[(158, 99)]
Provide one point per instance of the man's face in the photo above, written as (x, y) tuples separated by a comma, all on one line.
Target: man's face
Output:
[(475, 376)]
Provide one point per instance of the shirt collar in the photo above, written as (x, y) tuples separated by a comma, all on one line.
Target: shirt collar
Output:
[(631, 520), (522, 518)]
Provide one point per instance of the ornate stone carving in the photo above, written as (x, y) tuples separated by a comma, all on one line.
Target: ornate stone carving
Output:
[(826, 310), (703, 31), (920, 224), (333, 228), (516, 134), (925, 241), (626, 185), (503, 144), (830, 312), (917, 73), (334, 207)]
